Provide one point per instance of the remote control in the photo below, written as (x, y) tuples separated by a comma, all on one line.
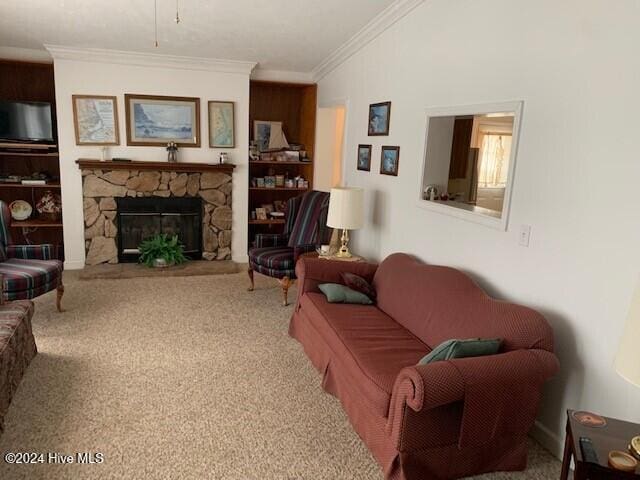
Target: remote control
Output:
[(589, 454)]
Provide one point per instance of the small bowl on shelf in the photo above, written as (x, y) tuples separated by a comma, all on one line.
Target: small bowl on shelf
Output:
[(20, 210)]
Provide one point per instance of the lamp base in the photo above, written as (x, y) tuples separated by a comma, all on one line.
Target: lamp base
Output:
[(344, 249), (634, 447)]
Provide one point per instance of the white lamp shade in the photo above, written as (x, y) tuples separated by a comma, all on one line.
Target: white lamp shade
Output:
[(346, 208), (628, 358)]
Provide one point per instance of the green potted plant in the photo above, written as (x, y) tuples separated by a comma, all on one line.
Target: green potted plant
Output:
[(161, 251)]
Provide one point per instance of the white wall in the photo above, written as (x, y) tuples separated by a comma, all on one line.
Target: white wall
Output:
[(86, 77), (576, 67)]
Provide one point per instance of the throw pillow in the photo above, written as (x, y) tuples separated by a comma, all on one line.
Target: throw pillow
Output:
[(455, 348), (337, 293), (359, 284)]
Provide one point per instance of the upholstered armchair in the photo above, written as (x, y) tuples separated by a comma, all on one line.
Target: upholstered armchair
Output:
[(26, 271), (275, 255)]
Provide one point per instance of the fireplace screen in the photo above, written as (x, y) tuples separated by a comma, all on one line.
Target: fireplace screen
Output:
[(142, 218)]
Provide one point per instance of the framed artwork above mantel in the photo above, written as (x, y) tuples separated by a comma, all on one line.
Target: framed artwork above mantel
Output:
[(154, 120)]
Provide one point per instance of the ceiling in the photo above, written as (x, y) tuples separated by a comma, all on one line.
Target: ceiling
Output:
[(289, 35)]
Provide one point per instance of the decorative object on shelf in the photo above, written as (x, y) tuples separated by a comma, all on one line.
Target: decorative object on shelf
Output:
[(627, 364), (254, 154), (279, 205), (364, 157), (223, 158), (20, 210), (49, 206), (389, 159), (379, 118), (161, 251), (279, 181), (172, 155), (221, 124), (268, 207), (95, 118), (269, 135), (346, 211), (431, 193), (292, 156), (261, 214), (260, 183), (289, 183), (270, 181), (155, 120)]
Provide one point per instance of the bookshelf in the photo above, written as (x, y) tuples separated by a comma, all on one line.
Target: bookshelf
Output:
[(27, 81), (295, 106)]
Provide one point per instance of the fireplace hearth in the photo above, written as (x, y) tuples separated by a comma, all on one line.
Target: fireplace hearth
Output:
[(141, 218)]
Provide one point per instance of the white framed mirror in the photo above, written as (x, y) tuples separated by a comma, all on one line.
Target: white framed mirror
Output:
[(469, 161)]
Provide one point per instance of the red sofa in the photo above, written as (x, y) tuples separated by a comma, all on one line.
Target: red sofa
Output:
[(444, 420)]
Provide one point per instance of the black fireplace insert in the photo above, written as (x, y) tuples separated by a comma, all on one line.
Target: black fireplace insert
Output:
[(140, 218)]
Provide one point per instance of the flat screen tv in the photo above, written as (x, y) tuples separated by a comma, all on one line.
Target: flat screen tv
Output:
[(26, 122)]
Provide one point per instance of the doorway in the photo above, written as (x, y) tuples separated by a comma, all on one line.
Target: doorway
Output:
[(327, 170)]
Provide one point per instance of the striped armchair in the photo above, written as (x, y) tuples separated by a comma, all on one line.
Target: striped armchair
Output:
[(275, 255), (26, 271)]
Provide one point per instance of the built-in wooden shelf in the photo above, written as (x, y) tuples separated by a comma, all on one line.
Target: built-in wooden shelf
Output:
[(276, 162), (272, 221), (275, 189), (20, 185), (35, 223), (92, 164), (29, 154)]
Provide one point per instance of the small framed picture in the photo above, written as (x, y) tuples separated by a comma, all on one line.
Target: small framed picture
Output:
[(261, 214), (95, 118), (221, 124), (389, 160), (364, 158), (154, 120), (379, 118)]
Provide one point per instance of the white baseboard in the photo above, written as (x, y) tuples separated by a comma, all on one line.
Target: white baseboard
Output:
[(73, 264), (548, 439)]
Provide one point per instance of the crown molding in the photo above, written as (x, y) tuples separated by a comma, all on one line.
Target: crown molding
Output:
[(25, 54), (369, 32), (60, 52), (281, 76)]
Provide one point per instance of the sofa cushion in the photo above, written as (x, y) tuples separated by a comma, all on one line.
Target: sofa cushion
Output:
[(369, 346), (439, 303), (337, 293), (454, 348), (359, 284)]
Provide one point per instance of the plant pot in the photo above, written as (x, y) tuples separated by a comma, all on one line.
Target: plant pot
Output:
[(162, 263)]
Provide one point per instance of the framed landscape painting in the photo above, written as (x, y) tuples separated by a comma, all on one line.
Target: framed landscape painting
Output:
[(389, 161), (379, 118), (364, 158), (95, 118), (158, 120), (221, 125)]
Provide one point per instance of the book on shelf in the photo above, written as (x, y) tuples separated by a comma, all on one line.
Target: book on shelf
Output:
[(33, 182)]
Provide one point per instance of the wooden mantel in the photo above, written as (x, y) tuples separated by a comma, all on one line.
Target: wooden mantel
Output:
[(92, 164)]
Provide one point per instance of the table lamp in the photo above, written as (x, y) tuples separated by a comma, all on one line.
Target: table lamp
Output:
[(627, 362), (346, 211)]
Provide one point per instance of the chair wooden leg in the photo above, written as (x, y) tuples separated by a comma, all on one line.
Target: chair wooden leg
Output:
[(285, 282), (59, 293), (250, 273)]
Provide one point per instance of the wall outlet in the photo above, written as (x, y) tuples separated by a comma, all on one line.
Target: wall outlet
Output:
[(525, 235)]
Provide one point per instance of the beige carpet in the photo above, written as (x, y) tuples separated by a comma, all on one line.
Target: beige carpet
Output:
[(183, 378)]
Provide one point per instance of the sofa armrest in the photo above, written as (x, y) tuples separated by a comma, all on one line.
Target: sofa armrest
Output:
[(311, 272), (31, 252), (500, 395)]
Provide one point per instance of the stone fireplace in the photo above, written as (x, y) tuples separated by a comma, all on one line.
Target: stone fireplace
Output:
[(106, 186)]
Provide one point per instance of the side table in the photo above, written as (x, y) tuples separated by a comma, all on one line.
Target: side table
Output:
[(352, 258), (615, 435)]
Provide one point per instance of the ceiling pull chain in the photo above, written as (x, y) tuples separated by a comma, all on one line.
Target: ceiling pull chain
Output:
[(155, 21), (177, 14)]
